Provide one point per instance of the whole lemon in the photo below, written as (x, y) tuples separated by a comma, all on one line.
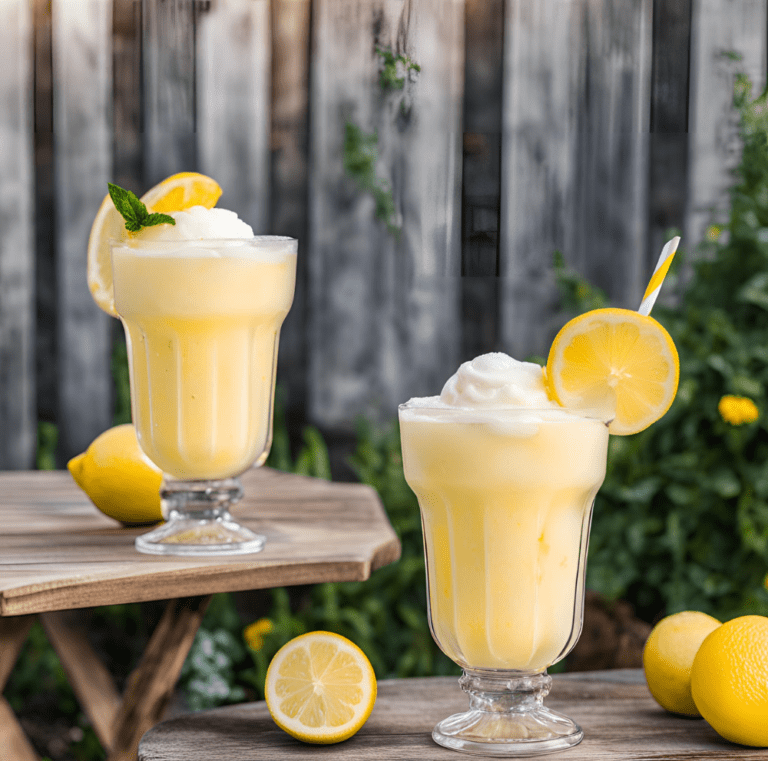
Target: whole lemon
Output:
[(119, 478), (668, 656), (729, 680)]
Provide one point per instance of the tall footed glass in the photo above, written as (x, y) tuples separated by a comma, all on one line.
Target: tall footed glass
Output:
[(506, 502), (202, 323)]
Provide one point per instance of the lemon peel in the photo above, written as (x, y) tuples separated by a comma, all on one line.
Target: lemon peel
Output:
[(729, 680), (668, 656)]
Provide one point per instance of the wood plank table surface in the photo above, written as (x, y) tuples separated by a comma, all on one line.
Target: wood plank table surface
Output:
[(57, 553), (615, 709)]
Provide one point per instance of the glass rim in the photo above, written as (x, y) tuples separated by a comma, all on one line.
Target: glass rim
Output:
[(137, 242), (558, 414)]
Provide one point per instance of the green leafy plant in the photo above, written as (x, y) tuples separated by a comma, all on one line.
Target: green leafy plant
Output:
[(681, 521), (395, 69), (361, 153), (47, 440)]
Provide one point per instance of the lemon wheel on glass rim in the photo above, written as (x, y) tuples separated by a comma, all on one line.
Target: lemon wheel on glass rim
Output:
[(617, 364)]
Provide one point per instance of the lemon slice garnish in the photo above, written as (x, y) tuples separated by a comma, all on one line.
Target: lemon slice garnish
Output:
[(320, 688), (176, 193), (616, 363)]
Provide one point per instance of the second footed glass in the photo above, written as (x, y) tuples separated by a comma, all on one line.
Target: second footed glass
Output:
[(506, 502), (202, 321)]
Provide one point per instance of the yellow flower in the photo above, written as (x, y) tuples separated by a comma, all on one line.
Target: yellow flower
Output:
[(713, 232), (737, 410), (254, 633)]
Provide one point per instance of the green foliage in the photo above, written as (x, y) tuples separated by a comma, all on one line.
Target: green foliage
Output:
[(39, 670), (121, 381), (361, 152), (47, 440), (395, 69), (681, 521)]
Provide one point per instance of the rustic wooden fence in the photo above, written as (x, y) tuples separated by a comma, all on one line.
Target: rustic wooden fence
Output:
[(430, 155)]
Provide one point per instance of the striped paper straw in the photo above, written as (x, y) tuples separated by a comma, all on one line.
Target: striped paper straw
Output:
[(657, 279)]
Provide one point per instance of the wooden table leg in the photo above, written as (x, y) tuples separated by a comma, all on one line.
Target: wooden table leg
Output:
[(13, 742), (89, 678), (151, 685)]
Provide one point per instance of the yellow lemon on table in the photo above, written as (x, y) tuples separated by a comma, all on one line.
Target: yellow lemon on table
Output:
[(119, 478), (729, 680), (617, 363), (176, 193), (668, 656), (320, 688)]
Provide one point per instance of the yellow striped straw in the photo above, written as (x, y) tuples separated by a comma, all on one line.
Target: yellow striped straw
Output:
[(655, 283)]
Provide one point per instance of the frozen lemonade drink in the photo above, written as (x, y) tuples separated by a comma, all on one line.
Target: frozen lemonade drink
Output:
[(202, 300), (506, 463), (506, 496), (202, 320)]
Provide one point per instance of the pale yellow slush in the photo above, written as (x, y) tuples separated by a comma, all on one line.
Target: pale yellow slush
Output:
[(202, 324), (506, 499)]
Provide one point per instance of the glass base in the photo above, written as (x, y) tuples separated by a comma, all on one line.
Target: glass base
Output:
[(198, 521), (507, 717)]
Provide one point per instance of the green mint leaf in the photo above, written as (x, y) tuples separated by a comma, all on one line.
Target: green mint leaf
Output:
[(139, 209), (133, 211), (132, 226), (158, 219), (121, 198)]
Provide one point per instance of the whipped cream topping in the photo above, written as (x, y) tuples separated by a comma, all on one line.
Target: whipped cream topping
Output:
[(199, 223), (497, 381)]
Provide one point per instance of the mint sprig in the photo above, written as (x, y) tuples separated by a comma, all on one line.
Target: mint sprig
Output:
[(134, 212)]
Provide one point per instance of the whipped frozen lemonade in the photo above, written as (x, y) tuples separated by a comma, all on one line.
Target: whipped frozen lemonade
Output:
[(202, 302), (505, 480)]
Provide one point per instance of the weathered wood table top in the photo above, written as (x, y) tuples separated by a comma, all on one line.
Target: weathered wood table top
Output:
[(58, 552), (615, 709)]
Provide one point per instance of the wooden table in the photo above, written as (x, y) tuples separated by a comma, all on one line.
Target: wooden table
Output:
[(57, 552), (615, 709)]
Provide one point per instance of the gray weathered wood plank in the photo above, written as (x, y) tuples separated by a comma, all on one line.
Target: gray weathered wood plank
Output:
[(668, 152), (481, 176), (233, 104), (619, 717), (291, 21), (384, 307), (17, 271), (82, 67), (719, 27), (574, 159), (169, 53), (128, 128)]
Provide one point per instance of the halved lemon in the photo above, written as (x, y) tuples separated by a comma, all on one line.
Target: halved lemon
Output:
[(616, 363), (176, 193), (320, 688)]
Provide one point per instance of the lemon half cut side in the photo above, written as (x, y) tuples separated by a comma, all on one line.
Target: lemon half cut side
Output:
[(320, 688), (615, 363), (175, 193)]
